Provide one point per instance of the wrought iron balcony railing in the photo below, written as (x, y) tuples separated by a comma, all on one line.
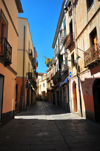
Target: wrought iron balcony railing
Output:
[(29, 75), (5, 50), (92, 55), (34, 83), (33, 61), (69, 41), (57, 76), (30, 53)]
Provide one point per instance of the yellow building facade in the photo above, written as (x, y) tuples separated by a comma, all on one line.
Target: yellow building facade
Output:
[(26, 67), (9, 10)]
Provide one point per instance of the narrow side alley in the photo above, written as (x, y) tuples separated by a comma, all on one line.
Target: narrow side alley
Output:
[(45, 127)]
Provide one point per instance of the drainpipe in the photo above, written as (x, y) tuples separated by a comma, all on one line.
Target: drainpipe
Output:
[(76, 52), (23, 87)]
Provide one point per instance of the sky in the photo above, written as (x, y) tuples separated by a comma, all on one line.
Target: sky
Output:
[(43, 17)]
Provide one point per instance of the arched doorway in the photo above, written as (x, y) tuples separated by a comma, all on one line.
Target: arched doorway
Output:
[(96, 97), (75, 97)]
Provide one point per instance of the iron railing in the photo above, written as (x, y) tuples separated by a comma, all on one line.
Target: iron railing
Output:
[(29, 75), (92, 54), (33, 61), (5, 49), (30, 53), (57, 76)]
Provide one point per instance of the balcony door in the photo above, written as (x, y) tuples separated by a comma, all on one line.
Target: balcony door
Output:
[(1, 95), (3, 30), (75, 97), (93, 39), (71, 27)]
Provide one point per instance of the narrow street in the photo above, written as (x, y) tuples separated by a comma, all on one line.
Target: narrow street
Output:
[(45, 127)]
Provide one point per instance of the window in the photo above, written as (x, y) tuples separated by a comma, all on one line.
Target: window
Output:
[(66, 61), (43, 84), (72, 59), (89, 3), (93, 37), (4, 26), (65, 50)]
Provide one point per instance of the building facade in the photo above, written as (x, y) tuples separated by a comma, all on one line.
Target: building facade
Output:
[(26, 67), (82, 51), (8, 51), (83, 44), (60, 64)]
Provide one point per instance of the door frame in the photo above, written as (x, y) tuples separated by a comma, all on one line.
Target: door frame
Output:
[(94, 99), (2, 96), (75, 101)]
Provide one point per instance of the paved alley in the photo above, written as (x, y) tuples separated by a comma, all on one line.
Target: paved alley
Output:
[(45, 127)]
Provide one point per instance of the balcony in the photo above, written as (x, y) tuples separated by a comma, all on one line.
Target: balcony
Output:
[(92, 56), (69, 42), (33, 61), (33, 82), (30, 54), (5, 51), (57, 76), (29, 75), (62, 36)]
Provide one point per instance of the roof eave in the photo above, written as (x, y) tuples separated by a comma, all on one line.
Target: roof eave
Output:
[(19, 6)]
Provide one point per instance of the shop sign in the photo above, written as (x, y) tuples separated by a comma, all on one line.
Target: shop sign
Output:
[(65, 82)]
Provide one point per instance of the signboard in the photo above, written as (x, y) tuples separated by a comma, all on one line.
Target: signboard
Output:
[(70, 74)]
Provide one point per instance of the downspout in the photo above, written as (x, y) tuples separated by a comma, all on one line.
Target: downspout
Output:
[(76, 52), (23, 87)]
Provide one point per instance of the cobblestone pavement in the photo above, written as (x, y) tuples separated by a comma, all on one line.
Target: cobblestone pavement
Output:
[(45, 127)]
